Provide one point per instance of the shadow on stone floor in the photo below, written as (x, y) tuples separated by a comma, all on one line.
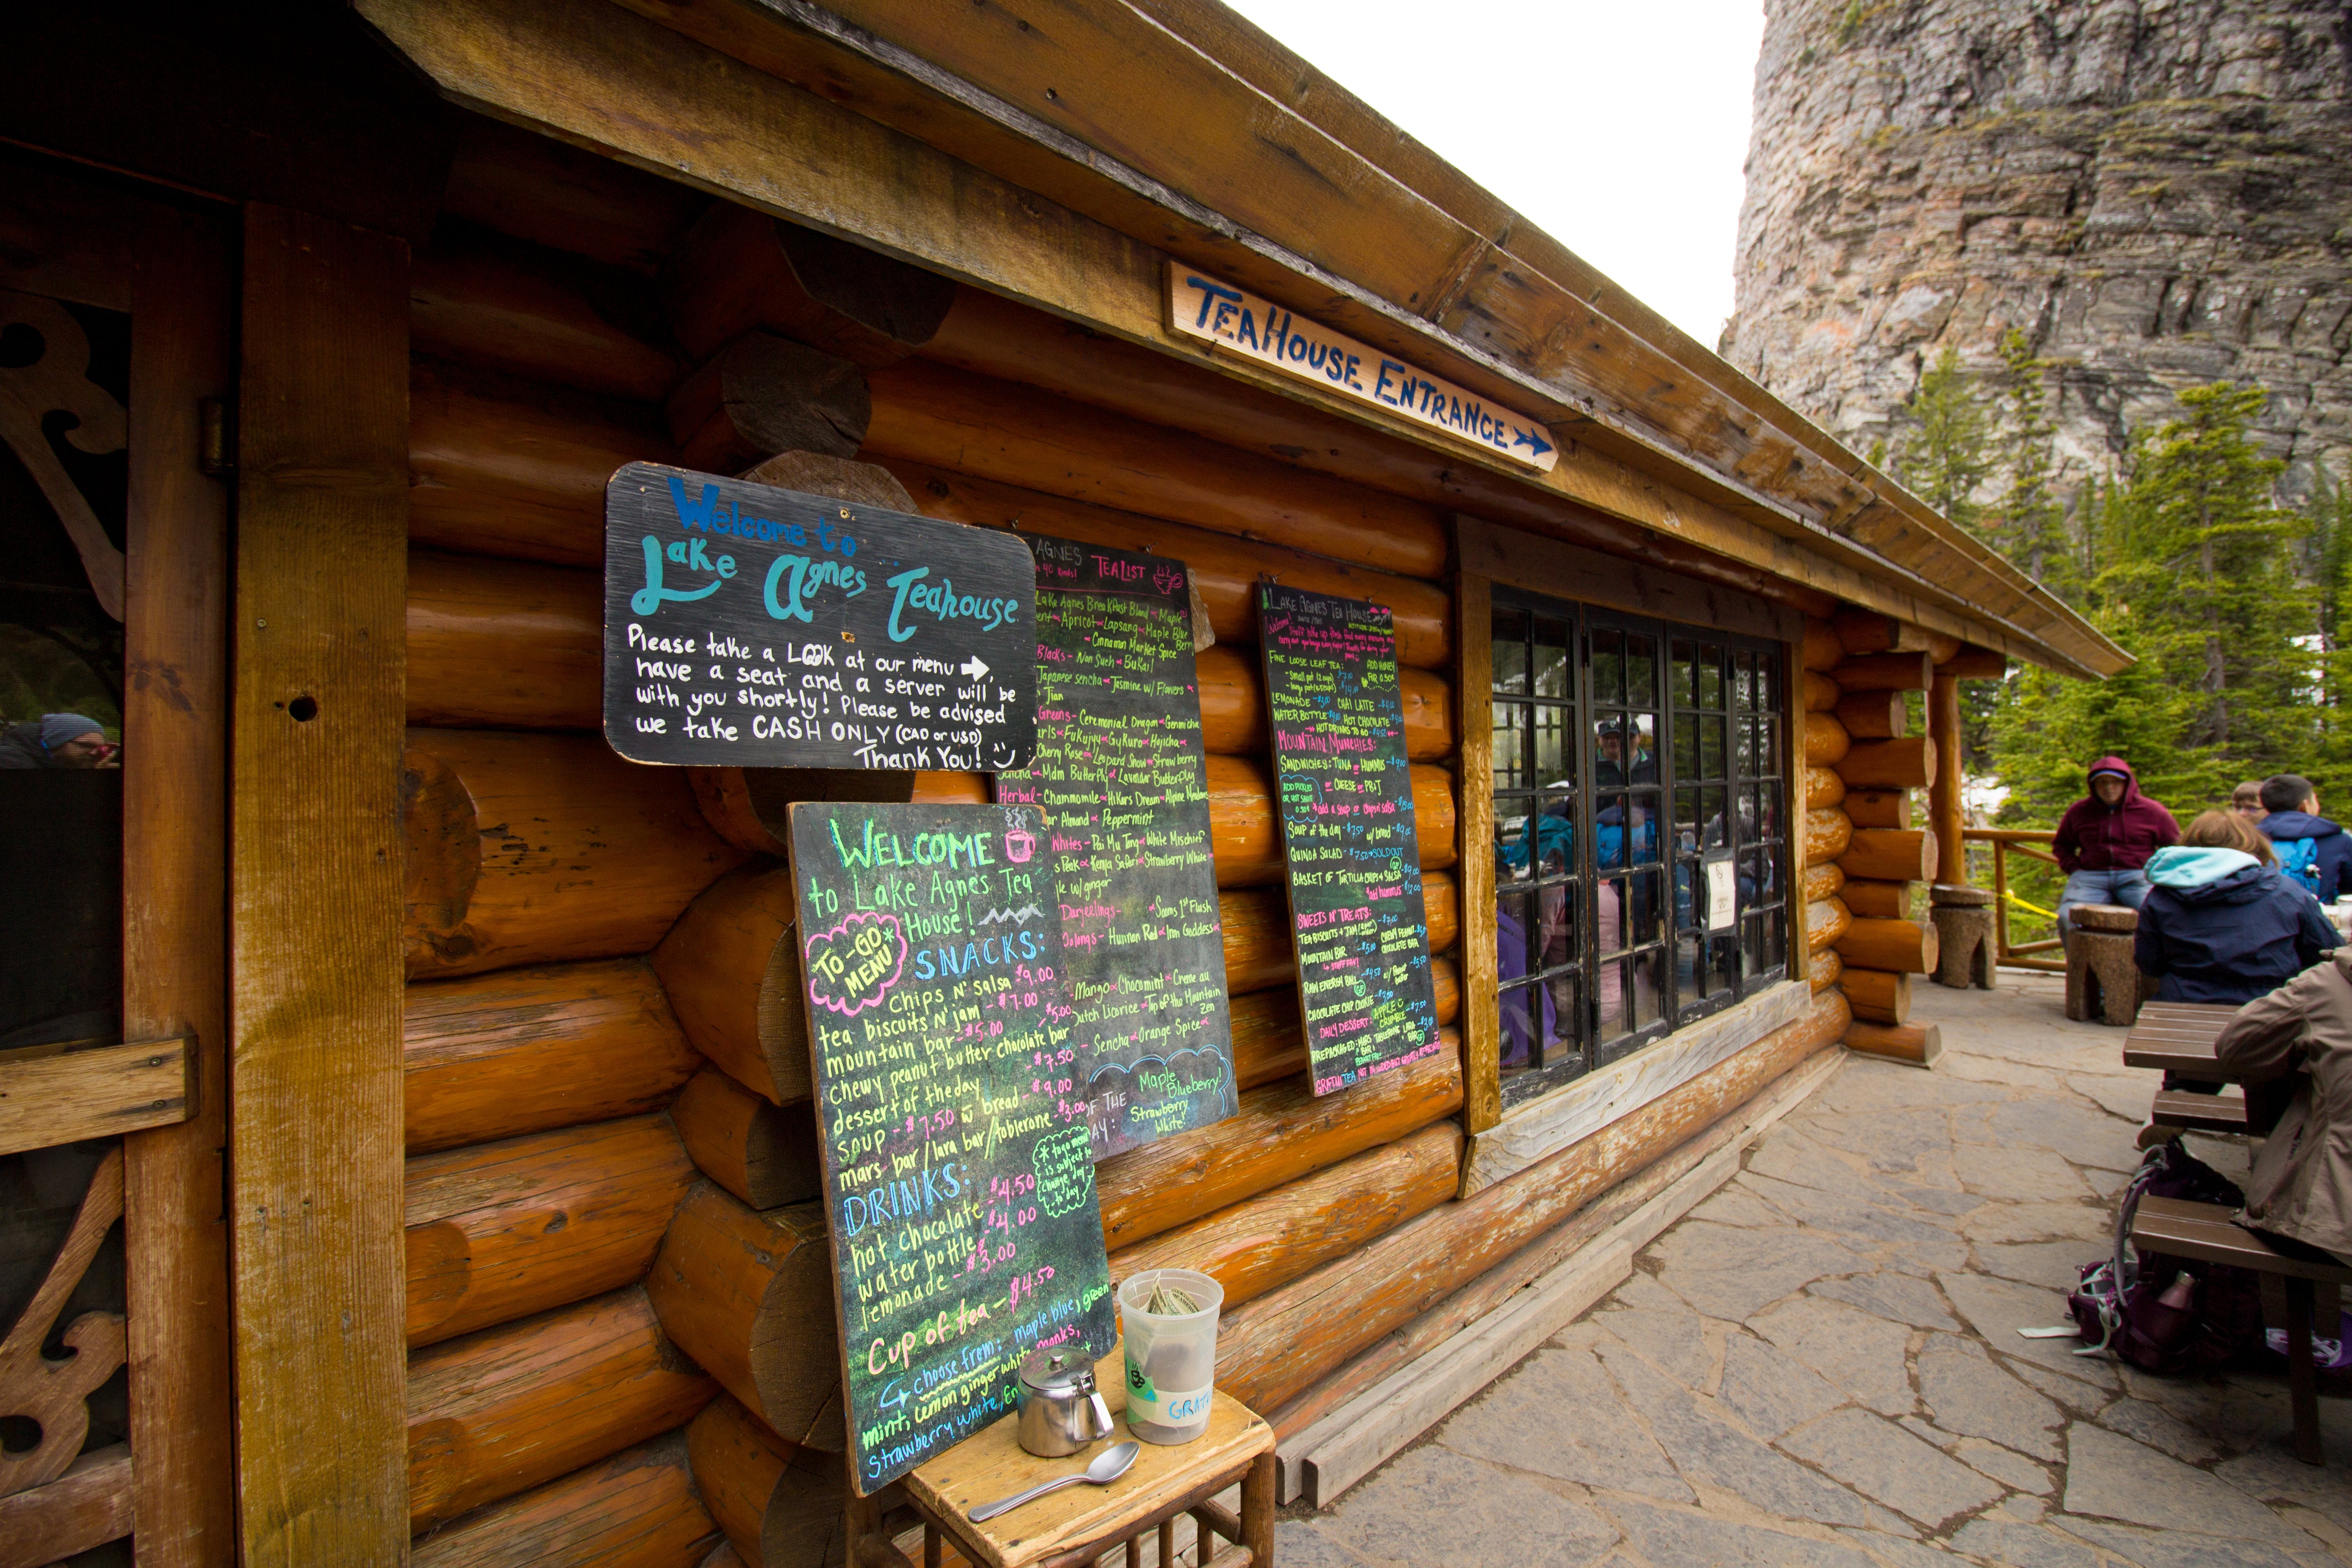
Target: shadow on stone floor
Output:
[(1820, 1364)]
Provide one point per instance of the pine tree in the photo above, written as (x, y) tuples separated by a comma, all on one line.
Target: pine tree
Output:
[(2033, 522), (1944, 457)]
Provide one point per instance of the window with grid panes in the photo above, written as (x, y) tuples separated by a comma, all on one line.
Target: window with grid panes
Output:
[(1641, 839)]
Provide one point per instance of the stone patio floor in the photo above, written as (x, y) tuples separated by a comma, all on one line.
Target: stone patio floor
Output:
[(1818, 1365)]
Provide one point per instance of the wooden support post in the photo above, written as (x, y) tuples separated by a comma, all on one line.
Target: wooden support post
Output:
[(1943, 805), (1482, 1094), (315, 894)]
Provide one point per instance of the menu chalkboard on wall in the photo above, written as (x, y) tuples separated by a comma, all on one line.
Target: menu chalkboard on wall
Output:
[(965, 1227), (1121, 777), (1345, 793), (750, 626)]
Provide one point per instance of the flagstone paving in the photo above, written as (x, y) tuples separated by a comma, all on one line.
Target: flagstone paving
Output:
[(1820, 1366)]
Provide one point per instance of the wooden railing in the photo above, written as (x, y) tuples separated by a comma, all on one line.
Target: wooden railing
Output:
[(2004, 842)]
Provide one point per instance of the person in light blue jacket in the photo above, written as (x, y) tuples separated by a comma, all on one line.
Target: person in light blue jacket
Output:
[(2220, 923)]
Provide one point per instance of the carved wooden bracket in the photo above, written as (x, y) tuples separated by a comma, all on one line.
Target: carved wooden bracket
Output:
[(59, 379), (55, 1394)]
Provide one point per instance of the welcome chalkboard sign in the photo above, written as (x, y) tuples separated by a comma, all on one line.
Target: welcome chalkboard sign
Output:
[(965, 1227), (1345, 793), (1121, 777), (751, 627)]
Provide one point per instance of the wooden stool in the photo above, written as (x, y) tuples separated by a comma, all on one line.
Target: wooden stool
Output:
[(1078, 1524), (1964, 935), (2103, 983)]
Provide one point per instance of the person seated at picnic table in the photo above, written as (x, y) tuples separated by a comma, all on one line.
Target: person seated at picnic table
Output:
[(2220, 923), (2104, 839), (2299, 1037)]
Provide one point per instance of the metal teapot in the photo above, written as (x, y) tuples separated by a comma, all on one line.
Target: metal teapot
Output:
[(1061, 1410)]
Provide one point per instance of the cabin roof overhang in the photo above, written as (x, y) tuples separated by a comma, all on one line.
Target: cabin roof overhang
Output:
[(1059, 151)]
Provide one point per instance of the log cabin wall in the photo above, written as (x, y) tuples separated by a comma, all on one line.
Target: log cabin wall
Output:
[(619, 1302)]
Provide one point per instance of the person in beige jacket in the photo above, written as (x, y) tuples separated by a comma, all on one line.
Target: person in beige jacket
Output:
[(2298, 1040)]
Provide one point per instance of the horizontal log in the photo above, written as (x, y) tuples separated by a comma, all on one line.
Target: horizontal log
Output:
[(524, 1050), (501, 644), (1909, 946), (1871, 715), (1823, 881), (930, 413), (1876, 994), (499, 1231), (1256, 923), (1820, 692), (1877, 900), (1879, 807), (1890, 765), (1919, 1043), (764, 395), (1824, 786), (950, 789), (766, 1155), (750, 808), (533, 312), (1869, 631), (1268, 1240), (1270, 1042), (780, 1507), (636, 1509), (1433, 817), (749, 1295), (1884, 672), (1822, 970), (1890, 855), (1942, 647), (1825, 920), (1233, 706), (1828, 831), (732, 971), (1282, 1132), (1826, 742), (506, 468), (1821, 650), (1972, 663), (1223, 569), (533, 187), (737, 269), (499, 1411), (1272, 1348), (536, 848)]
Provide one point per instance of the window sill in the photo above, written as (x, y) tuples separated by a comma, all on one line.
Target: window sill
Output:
[(1550, 1122)]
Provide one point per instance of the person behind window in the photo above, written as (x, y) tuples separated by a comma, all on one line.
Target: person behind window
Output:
[(57, 741), (2104, 839), (2220, 923)]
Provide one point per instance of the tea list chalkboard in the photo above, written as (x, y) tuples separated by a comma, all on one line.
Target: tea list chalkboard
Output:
[(751, 627), (1122, 780), (1345, 795), (965, 1227)]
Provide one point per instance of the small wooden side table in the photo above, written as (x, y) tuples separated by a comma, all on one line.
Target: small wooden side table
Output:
[(1078, 1524)]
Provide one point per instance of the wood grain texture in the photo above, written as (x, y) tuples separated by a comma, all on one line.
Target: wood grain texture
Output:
[(1827, 966), (1946, 808), (1884, 672), (1825, 921), (1890, 855), (764, 1153), (1542, 1127), (1820, 649), (1876, 995), (779, 1506), (1282, 1132), (525, 1050), (537, 848), (1826, 742), (89, 1505), (502, 645), (50, 1399), (750, 1295), (1974, 664), (1862, 631), (314, 959), (1233, 706), (1638, 586), (732, 972), (1823, 787), (174, 856), (100, 1091), (1267, 1240), (502, 306), (1270, 1041), (1890, 765), (1909, 946), (1225, 569), (762, 396), (499, 1411), (636, 1509), (1877, 900), (1821, 882), (529, 187), (1919, 1044), (1871, 715), (1879, 808), (1820, 692), (1473, 668), (1273, 1348), (501, 1230), (1256, 925), (739, 270), (1828, 831)]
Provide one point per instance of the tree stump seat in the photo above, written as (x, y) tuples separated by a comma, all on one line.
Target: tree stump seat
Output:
[(1965, 948), (2103, 983)]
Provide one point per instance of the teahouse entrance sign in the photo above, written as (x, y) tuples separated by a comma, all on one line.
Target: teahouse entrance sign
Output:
[(750, 626), (1254, 327)]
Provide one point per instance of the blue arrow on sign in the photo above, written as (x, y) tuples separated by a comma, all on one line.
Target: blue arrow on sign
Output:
[(1530, 439)]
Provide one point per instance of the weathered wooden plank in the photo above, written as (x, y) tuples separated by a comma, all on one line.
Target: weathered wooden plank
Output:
[(86, 1507), (504, 645), (1508, 554), (314, 958), (1474, 615), (99, 1091)]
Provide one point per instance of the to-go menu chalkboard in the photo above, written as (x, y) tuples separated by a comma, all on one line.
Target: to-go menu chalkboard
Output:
[(965, 1227), (1345, 793), (751, 627), (1122, 780)]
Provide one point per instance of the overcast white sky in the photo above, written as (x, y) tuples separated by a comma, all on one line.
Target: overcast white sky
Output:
[(1619, 128)]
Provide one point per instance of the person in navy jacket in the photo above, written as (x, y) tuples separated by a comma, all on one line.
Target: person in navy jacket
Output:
[(2220, 923), (2293, 817)]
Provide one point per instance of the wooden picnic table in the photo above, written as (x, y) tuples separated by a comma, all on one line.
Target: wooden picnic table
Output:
[(2177, 1037)]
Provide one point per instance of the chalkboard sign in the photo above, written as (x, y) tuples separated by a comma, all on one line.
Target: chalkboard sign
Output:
[(751, 627), (965, 1227), (1345, 795), (1122, 779)]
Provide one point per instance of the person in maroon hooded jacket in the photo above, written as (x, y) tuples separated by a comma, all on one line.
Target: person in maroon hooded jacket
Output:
[(2104, 839)]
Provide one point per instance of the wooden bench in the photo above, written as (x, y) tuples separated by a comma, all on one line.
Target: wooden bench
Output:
[(2208, 1232), (2182, 1110)]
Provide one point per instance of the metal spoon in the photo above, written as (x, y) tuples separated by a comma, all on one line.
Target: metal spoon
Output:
[(1109, 1465)]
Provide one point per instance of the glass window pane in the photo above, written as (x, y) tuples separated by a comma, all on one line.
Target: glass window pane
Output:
[(1685, 746), (1641, 670), (1690, 971), (1555, 835), (1744, 729), (1510, 746), (1641, 732), (1515, 925), (1608, 902), (1724, 948), (1768, 682), (1687, 809), (1641, 829), (1768, 748), (1710, 676), (1514, 861), (1711, 814), (1558, 938), (1743, 679), (1685, 672), (1608, 666), (1644, 915), (1553, 760), (1609, 996), (1710, 747), (1553, 674), (1510, 650), (1649, 992)]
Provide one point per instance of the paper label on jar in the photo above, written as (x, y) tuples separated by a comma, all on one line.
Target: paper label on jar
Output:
[(1163, 1407)]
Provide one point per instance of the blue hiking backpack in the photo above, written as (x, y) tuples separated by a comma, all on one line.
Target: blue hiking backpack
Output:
[(2299, 858)]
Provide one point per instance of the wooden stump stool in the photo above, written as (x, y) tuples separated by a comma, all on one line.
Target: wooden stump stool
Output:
[(2103, 983), (1964, 938)]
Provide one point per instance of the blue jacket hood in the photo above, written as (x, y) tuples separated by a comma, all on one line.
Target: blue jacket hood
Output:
[(2199, 875), (2297, 824)]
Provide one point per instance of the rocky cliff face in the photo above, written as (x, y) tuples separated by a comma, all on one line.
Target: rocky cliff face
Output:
[(2159, 194)]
